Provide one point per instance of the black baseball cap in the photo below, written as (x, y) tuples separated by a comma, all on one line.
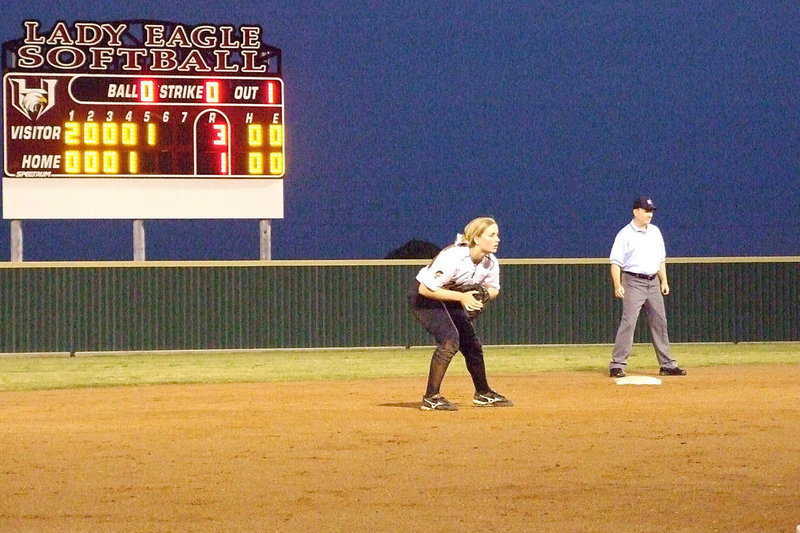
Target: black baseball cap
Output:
[(644, 202)]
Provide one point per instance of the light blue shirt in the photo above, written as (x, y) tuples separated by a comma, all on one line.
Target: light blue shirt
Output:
[(639, 250)]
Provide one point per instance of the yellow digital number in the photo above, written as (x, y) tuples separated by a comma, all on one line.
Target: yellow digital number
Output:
[(255, 163), (110, 162), (72, 133), (110, 133), (275, 135), (133, 162), (275, 163), (91, 133), (255, 135), (129, 134), (91, 162), (151, 134), (72, 161)]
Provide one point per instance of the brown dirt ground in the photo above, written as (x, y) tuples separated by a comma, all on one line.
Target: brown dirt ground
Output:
[(716, 450)]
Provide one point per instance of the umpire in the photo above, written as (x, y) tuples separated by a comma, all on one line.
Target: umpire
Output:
[(639, 275)]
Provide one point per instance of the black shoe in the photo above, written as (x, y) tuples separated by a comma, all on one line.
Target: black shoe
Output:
[(491, 399), (675, 371), (437, 402), (616, 373)]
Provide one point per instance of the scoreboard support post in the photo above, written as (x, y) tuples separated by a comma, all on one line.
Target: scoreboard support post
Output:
[(265, 240), (16, 241), (139, 241)]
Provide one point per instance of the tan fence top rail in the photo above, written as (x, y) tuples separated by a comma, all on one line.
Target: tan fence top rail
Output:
[(366, 262)]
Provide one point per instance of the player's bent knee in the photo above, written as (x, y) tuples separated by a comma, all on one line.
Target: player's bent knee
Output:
[(450, 345), (446, 350)]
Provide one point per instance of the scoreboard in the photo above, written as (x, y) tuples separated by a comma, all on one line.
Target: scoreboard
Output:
[(142, 119), (109, 126)]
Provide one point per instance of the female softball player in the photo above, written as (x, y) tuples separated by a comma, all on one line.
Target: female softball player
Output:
[(446, 296)]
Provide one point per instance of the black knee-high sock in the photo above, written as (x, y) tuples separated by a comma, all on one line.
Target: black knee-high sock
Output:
[(439, 362), (477, 370)]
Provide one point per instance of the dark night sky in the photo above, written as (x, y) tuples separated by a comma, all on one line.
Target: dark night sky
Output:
[(406, 119)]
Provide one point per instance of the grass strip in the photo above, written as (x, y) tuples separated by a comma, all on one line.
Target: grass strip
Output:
[(18, 373)]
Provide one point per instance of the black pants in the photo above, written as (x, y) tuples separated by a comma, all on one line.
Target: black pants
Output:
[(453, 331)]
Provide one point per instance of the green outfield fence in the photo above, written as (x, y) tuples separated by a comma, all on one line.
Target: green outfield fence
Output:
[(132, 306)]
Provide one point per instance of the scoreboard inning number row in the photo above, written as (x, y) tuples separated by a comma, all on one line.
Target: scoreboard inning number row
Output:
[(92, 125)]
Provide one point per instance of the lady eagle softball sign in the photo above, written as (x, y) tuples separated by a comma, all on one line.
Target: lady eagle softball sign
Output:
[(142, 120)]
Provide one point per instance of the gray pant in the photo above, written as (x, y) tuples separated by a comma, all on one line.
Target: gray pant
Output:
[(642, 294)]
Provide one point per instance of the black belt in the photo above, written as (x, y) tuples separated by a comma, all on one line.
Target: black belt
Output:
[(648, 277)]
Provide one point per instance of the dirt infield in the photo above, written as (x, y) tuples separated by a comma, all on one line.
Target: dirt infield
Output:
[(716, 450)]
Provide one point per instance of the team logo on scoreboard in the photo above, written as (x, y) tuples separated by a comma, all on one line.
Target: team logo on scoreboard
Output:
[(33, 102)]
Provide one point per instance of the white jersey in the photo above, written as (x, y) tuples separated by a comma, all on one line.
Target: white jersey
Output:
[(639, 250), (453, 268)]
